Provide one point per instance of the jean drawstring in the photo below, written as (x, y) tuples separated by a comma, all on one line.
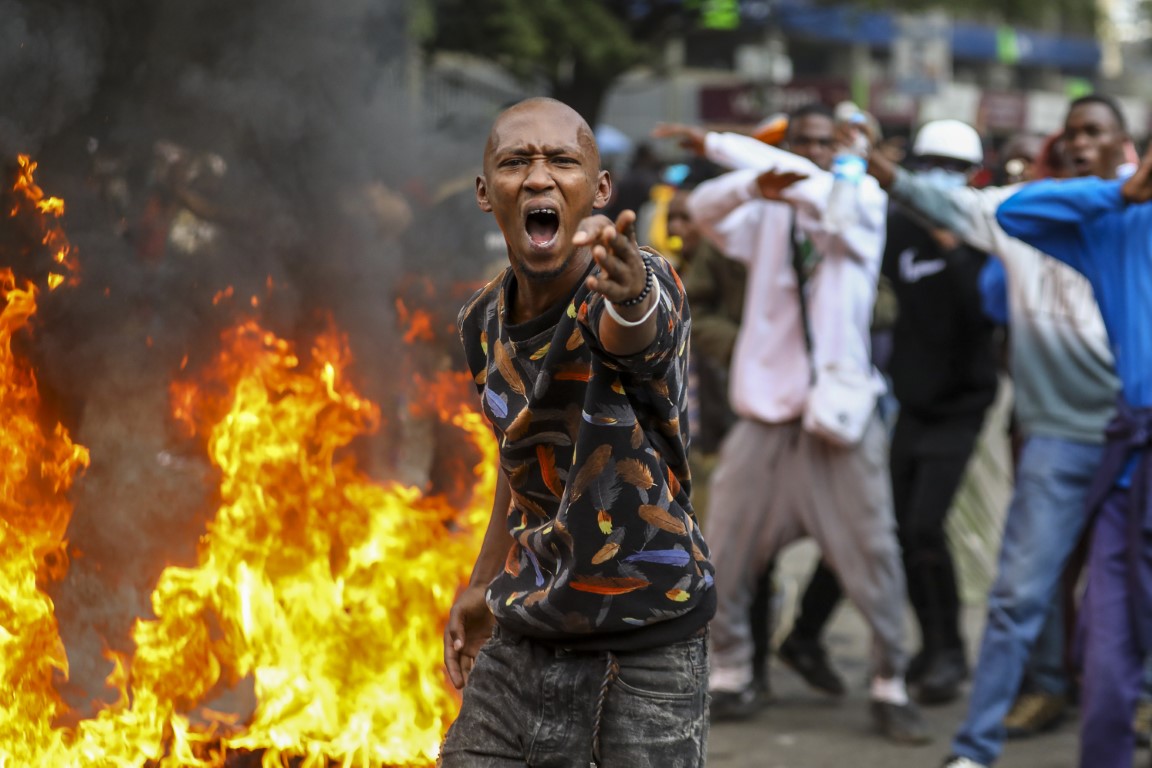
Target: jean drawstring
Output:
[(611, 671)]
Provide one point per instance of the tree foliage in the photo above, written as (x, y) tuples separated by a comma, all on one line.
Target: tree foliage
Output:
[(576, 48)]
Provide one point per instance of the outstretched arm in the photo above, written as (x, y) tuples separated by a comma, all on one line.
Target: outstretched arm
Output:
[(720, 209), (624, 274), (734, 151), (1051, 215), (970, 213), (862, 240), (689, 137)]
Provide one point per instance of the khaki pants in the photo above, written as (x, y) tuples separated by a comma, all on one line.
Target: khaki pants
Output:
[(774, 484)]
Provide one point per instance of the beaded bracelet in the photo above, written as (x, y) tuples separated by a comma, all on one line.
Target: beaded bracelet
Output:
[(649, 279), (633, 323)]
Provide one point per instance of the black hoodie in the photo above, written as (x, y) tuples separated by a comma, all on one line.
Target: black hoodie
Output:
[(943, 359)]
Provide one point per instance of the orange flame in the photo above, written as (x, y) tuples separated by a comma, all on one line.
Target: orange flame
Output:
[(326, 590), (418, 323), (53, 231), (37, 468), (226, 293), (329, 589)]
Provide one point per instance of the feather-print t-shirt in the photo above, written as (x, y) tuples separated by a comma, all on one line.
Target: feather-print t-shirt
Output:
[(606, 552)]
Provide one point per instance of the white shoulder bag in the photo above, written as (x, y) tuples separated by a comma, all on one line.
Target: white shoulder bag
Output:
[(841, 398)]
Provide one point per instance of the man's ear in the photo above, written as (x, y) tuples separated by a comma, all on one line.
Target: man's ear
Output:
[(603, 190), (482, 195)]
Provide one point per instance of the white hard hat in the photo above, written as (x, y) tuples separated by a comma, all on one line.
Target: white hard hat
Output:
[(949, 138)]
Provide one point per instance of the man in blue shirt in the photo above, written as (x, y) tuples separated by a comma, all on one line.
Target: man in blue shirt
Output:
[(1103, 229)]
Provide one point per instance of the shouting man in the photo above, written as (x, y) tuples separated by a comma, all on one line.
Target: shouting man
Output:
[(581, 634)]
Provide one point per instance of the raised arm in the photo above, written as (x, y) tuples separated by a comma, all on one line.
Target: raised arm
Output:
[(970, 213), (625, 273), (807, 190), (720, 207), (862, 240), (733, 151), (1051, 215), (739, 152)]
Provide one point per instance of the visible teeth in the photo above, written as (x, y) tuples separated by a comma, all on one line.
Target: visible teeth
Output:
[(542, 210)]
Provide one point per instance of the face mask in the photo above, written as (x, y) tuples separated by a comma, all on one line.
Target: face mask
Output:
[(942, 177)]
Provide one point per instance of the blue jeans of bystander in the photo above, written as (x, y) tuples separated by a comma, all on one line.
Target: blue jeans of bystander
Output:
[(1046, 671), (1044, 523)]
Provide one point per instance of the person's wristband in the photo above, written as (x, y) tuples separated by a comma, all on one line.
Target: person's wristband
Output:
[(633, 323), (649, 279)]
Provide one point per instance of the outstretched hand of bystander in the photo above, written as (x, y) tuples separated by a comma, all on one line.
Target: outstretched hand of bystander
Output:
[(773, 182), (881, 168), (689, 137)]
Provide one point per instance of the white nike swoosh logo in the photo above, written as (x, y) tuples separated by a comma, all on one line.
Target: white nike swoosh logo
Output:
[(912, 271)]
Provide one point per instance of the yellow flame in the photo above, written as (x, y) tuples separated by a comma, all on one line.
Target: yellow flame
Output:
[(36, 470), (326, 590), (329, 589)]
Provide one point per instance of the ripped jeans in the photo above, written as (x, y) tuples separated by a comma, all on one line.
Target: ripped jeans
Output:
[(531, 705)]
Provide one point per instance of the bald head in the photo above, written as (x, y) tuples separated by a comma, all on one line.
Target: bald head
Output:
[(543, 108), (541, 178)]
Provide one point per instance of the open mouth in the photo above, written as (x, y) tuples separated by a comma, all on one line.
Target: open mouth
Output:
[(1082, 163), (542, 224)]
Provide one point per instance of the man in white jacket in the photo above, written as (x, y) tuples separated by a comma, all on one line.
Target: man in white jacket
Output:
[(775, 481)]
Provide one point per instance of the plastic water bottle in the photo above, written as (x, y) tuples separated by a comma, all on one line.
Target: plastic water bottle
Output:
[(848, 169)]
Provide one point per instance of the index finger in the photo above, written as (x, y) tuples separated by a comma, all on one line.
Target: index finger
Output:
[(626, 222), (591, 229)]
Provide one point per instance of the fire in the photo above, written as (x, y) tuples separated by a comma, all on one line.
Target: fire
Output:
[(329, 589), (37, 467), (51, 210), (221, 295), (321, 590), (418, 323)]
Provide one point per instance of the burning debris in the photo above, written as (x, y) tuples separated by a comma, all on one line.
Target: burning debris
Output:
[(250, 579), (38, 465), (315, 589)]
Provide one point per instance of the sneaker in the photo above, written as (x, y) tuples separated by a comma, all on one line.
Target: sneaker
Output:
[(762, 685), (900, 723), (1142, 724), (916, 667), (955, 761), (1034, 713), (808, 659), (733, 705), (942, 677)]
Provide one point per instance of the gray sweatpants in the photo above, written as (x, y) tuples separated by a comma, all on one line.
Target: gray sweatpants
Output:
[(774, 484)]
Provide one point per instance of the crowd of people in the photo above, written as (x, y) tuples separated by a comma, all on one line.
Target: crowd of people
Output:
[(848, 333)]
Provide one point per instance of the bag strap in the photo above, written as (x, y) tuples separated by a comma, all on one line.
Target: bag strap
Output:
[(798, 267)]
